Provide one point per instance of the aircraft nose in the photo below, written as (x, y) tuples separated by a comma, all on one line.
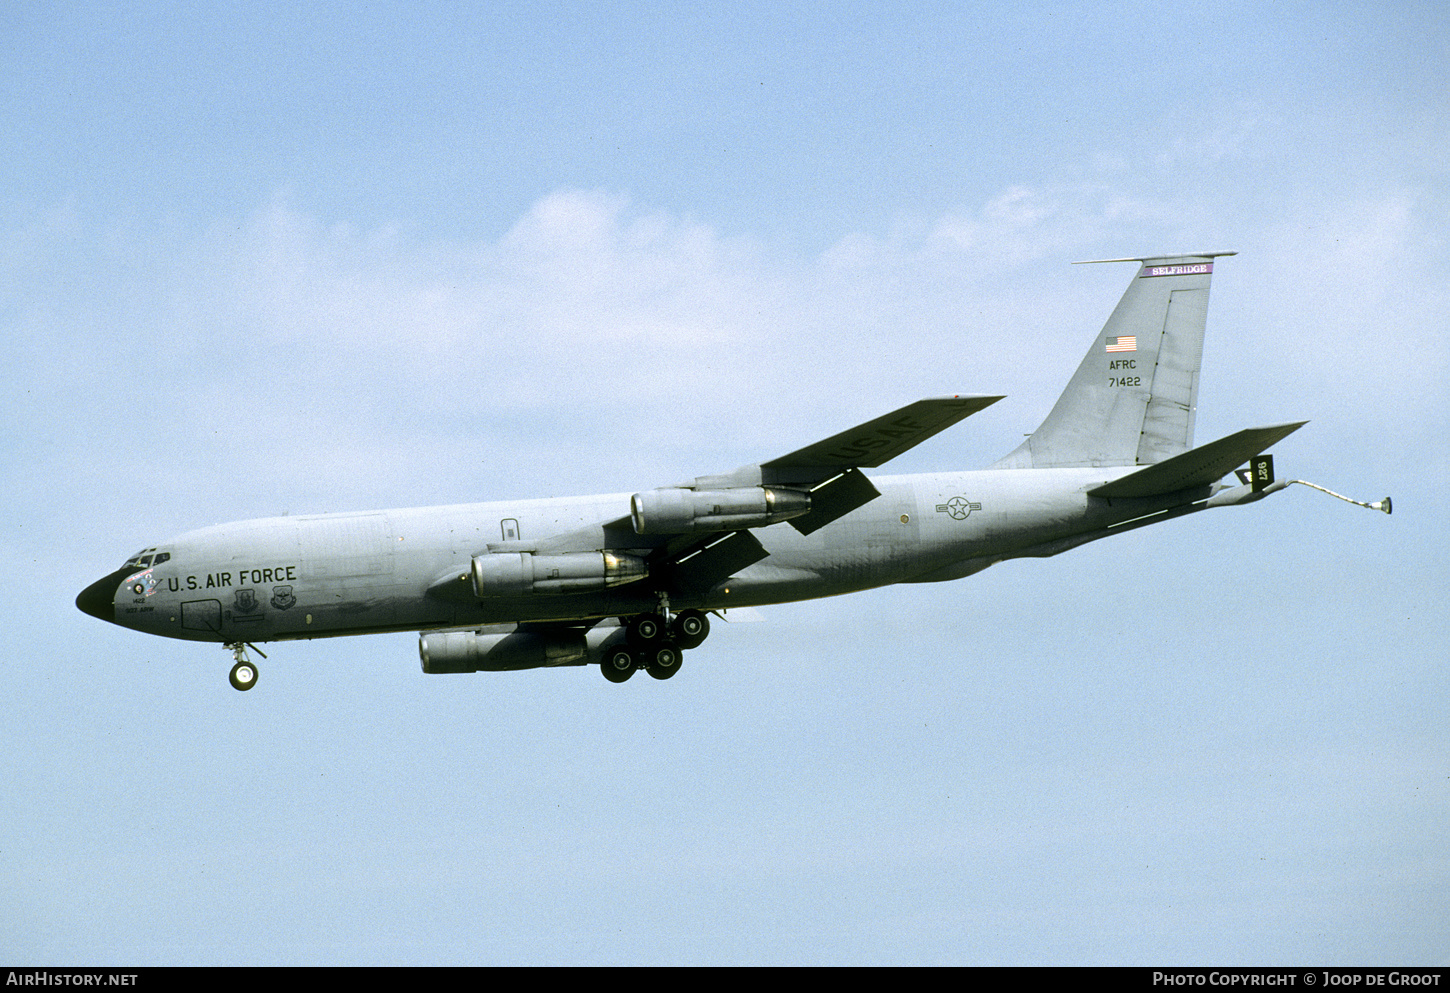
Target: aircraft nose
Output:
[(99, 598)]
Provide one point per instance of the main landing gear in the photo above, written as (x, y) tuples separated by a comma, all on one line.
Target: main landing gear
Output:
[(655, 643), (244, 673)]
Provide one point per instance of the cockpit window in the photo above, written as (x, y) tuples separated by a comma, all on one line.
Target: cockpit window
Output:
[(146, 558)]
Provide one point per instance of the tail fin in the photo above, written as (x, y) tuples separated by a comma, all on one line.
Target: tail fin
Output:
[(1133, 399)]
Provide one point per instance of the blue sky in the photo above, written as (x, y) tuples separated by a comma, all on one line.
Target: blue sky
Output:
[(321, 257)]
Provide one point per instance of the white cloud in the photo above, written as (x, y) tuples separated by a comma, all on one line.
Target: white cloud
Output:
[(596, 343)]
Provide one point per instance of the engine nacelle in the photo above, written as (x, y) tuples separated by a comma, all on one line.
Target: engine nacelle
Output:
[(673, 510), (512, 574), (469, 651)]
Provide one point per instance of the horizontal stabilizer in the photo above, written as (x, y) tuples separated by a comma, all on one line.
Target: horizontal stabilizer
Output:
[(879, 441), (1199, 466)]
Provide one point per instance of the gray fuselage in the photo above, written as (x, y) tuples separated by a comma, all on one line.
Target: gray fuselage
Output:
[(355, 573)]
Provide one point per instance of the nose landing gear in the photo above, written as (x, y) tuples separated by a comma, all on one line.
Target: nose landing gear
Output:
[(244, 673)]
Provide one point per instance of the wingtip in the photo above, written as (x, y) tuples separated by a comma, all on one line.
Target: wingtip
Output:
[(983, 399)]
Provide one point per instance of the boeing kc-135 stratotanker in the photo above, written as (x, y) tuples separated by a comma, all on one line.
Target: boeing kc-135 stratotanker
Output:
[(629, 582)]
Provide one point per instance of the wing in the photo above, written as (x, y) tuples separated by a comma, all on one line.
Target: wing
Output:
[(832, 468), (877, 441), (697, 534)]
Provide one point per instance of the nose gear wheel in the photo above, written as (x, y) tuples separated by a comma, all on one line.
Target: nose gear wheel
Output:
[(244, 673)]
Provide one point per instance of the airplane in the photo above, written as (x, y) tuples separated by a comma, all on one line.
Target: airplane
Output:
[(630, 581)]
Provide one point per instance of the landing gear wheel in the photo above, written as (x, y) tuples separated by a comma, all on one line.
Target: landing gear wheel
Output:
[(244, 676), (646, 629), (664, 661), (690, 629), (618, 665)]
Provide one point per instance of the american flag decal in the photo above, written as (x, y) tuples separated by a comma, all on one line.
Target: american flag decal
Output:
[(1123, 343)]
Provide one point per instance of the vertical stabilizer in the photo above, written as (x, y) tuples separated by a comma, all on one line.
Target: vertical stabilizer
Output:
[(1133, 399)]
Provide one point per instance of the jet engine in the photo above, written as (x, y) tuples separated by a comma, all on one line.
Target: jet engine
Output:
[(673, 510), (475, 651), (511, 574), (470, 651)]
